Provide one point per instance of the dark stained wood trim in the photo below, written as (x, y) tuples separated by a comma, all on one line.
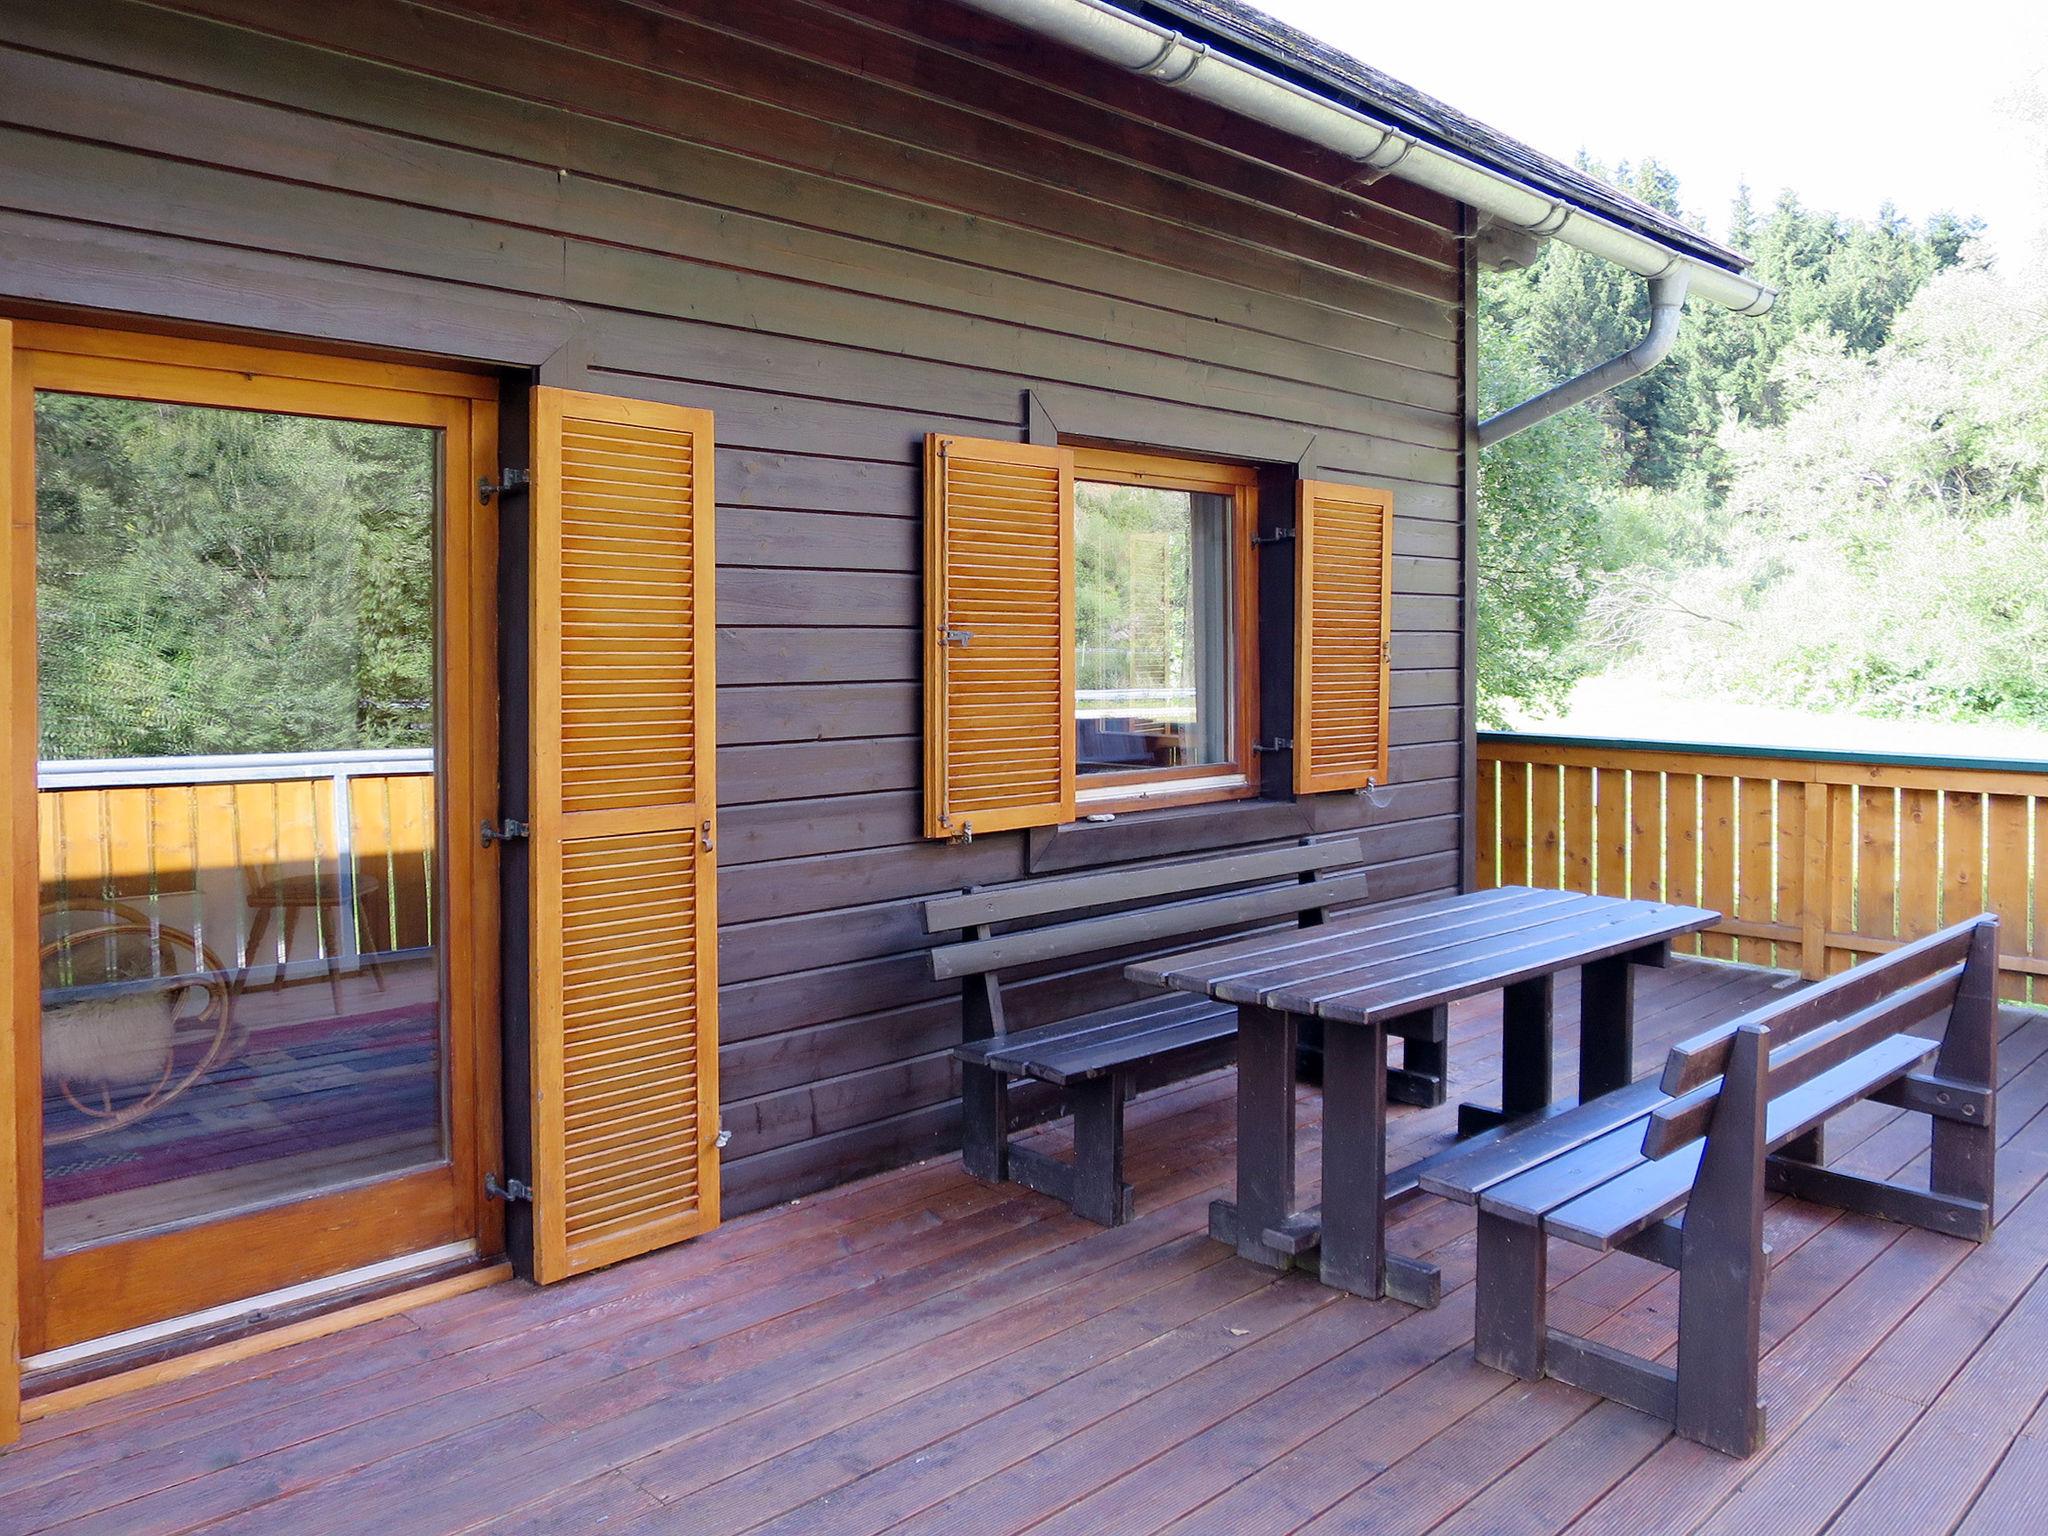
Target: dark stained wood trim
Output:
[(1468, 522)]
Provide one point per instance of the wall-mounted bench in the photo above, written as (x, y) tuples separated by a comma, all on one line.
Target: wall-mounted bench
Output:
[(1737, 1112), (1092, 1057)]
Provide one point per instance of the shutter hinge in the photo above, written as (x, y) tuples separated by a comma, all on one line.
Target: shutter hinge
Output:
[(509, 480), (1277, 536), (506, 831), (723, 1139), (1277, 744), (511, 1189), (959, 637), (965, 834)]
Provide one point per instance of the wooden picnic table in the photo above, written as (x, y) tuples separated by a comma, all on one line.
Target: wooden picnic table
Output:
[(1396, 972)]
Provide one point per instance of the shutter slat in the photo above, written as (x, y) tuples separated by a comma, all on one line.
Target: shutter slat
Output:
[(1344, 599), (999, 553), (624, 989)]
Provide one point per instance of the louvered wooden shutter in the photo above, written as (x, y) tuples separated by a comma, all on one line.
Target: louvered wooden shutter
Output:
[(1344, 601), (624, 986), (999, 655)]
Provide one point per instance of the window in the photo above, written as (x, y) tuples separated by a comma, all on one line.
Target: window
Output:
[(1164, 629), (1092, 636)]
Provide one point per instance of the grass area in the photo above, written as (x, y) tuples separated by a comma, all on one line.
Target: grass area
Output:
[(1614, 705)]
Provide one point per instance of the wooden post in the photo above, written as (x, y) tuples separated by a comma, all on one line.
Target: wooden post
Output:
[(1100, 1193), (1527, 1013), (1265, 1131), (1721, 1269), (1964, 1160), (1508, 1327), (1354, 1249), (1813, 885), (984, 1091)]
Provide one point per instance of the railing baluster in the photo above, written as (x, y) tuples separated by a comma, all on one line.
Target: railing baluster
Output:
[(1819, 860)]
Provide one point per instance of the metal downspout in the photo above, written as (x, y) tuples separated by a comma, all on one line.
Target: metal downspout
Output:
[(1667, 301)]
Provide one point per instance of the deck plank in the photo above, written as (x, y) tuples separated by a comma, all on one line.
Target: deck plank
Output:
[(921, 1353)]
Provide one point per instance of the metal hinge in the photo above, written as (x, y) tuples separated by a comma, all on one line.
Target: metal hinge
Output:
[(723, 1139), (959, 637), (509, 480), (1277, 744), (1277, 536), (511, 1189), (506, 831)]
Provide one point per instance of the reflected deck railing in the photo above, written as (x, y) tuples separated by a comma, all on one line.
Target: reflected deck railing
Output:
[(1819, 859), (294, 860)]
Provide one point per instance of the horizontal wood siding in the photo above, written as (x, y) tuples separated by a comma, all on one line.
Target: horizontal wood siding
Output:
[(837, 227)]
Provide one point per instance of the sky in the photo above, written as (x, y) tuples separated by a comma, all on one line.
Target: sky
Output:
[(1848, 104)]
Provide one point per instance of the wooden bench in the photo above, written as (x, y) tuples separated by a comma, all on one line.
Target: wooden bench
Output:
[(1737, 1112), (1092, 1057)]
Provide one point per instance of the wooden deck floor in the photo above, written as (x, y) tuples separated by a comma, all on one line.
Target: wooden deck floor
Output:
[(918, 1353)]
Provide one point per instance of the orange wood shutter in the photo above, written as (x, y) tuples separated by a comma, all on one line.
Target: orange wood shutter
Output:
[(1344, 601), (999, 654), (624, 944)]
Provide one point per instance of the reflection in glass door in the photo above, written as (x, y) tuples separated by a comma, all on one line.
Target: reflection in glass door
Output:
[(241, 1002)]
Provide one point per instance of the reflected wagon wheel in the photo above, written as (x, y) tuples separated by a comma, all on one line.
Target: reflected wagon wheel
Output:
[(105, 1115)]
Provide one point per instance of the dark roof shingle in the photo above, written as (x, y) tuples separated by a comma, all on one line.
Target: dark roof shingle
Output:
[(1290, 52)]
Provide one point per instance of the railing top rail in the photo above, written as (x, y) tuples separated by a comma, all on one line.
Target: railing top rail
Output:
[(109, 772), (1789, 754)]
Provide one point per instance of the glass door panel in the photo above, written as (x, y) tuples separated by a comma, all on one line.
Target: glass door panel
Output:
[(239, 734)]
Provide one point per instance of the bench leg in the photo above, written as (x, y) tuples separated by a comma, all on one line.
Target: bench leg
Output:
[(985, 1129), (1722, 1265), (1508, 1327), (1964, 1161), (1100, 1193)]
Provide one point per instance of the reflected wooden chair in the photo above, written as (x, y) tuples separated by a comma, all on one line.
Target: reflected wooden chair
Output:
[(294, 896)]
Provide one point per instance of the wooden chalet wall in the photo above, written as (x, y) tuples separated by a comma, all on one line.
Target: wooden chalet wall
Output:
[(838, 238)]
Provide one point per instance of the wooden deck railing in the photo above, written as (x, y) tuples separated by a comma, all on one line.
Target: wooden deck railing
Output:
[(1818, 859), (221, 847)]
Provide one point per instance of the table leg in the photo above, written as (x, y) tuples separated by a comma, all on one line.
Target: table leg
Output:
[(1265, 1138), (1354, 1253), (1527, 1013), (1607, 1026), (1354, 1158), (1425, 1058), (1527, 1019)]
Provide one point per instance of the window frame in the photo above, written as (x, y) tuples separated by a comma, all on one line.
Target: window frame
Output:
[(1237, 778)]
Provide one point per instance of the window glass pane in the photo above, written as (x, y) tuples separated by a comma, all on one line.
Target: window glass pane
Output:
[(241, 991), (1154, 651)]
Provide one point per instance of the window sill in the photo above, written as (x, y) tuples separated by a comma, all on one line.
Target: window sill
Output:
[(1157, 831), (1122, 798)]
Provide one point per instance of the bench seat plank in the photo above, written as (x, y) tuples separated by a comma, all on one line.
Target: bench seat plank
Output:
[(1103, 1024), (1652, 1189), (1464, 1173), (1589, 1166), (1093, 1060)]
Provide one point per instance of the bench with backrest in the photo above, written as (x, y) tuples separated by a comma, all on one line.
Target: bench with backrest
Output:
[(1737, 1113), (1092, 1057)]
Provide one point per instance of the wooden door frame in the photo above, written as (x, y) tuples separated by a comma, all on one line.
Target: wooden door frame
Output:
[(464, 406)]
